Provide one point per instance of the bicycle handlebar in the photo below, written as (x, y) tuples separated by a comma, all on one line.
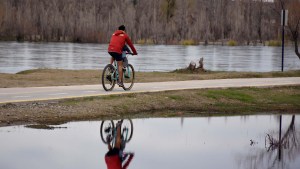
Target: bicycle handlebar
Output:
[(130, 53)]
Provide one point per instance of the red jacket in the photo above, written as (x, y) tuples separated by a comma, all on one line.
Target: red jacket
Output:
[(117, 42), (114, 162)]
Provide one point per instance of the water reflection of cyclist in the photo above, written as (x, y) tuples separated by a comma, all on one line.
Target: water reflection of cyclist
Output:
[(115, 158)]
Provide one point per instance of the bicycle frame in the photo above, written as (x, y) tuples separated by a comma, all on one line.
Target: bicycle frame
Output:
[(123, 139), (115, 74)]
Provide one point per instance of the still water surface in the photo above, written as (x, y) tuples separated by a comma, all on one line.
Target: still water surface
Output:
[(206, 142), (15, 57)]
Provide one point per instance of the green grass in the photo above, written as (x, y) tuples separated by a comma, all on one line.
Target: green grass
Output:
[(195, 102), (284, 99), (110, 97), (70, 102), (232, 94), (176, 97), (25, 72)]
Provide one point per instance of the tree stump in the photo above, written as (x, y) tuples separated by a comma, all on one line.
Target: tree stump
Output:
[(201, 66), (192, 66)]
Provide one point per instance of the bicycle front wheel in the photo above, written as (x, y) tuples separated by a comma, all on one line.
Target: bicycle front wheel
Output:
[(106, 128), (128, 77), (127, 125), (108, 80)]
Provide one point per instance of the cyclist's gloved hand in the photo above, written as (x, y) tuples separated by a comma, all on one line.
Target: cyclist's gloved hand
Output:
[(135, 53)]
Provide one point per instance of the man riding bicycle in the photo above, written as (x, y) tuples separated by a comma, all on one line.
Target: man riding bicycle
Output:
[(115, 48)]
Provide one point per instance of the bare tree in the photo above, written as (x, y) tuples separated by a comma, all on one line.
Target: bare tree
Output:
[(278, 152), (294, 22), (163, 21), (293, 18)]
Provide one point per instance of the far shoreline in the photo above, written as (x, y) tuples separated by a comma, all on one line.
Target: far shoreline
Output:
[(63, 77), (228, 43)]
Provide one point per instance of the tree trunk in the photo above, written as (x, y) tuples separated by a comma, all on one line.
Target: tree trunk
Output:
[(296, 48)]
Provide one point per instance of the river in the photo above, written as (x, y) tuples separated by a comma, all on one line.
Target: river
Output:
[(15, 57)]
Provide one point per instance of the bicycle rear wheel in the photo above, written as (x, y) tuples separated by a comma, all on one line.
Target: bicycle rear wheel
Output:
[(128, 77), (108, 80)]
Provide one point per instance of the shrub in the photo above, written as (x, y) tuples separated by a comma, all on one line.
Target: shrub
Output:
[(273, 43), (145, 41), (232, 43), (188, 42)]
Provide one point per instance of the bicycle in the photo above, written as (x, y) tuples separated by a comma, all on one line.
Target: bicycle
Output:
[(110, 76), (108, 129)]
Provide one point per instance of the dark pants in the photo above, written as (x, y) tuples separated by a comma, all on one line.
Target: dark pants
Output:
[(116, 56)]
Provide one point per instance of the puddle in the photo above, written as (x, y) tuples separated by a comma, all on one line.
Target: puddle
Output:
[(206, 142)]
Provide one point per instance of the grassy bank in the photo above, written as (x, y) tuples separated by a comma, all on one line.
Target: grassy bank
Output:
[(204, 102), (58, 77)]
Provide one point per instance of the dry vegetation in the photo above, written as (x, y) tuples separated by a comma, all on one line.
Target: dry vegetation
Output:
[(58, 77)]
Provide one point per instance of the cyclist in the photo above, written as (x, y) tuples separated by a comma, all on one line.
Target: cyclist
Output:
[(115, 49), (115, 156)]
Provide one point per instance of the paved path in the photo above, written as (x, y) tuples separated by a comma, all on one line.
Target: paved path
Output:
[(10, 95)]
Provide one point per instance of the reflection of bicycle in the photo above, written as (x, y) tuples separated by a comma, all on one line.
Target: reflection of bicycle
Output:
[(110, 76), (108, 129)]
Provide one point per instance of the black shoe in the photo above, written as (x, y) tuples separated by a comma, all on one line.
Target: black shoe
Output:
[(120, 84)]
